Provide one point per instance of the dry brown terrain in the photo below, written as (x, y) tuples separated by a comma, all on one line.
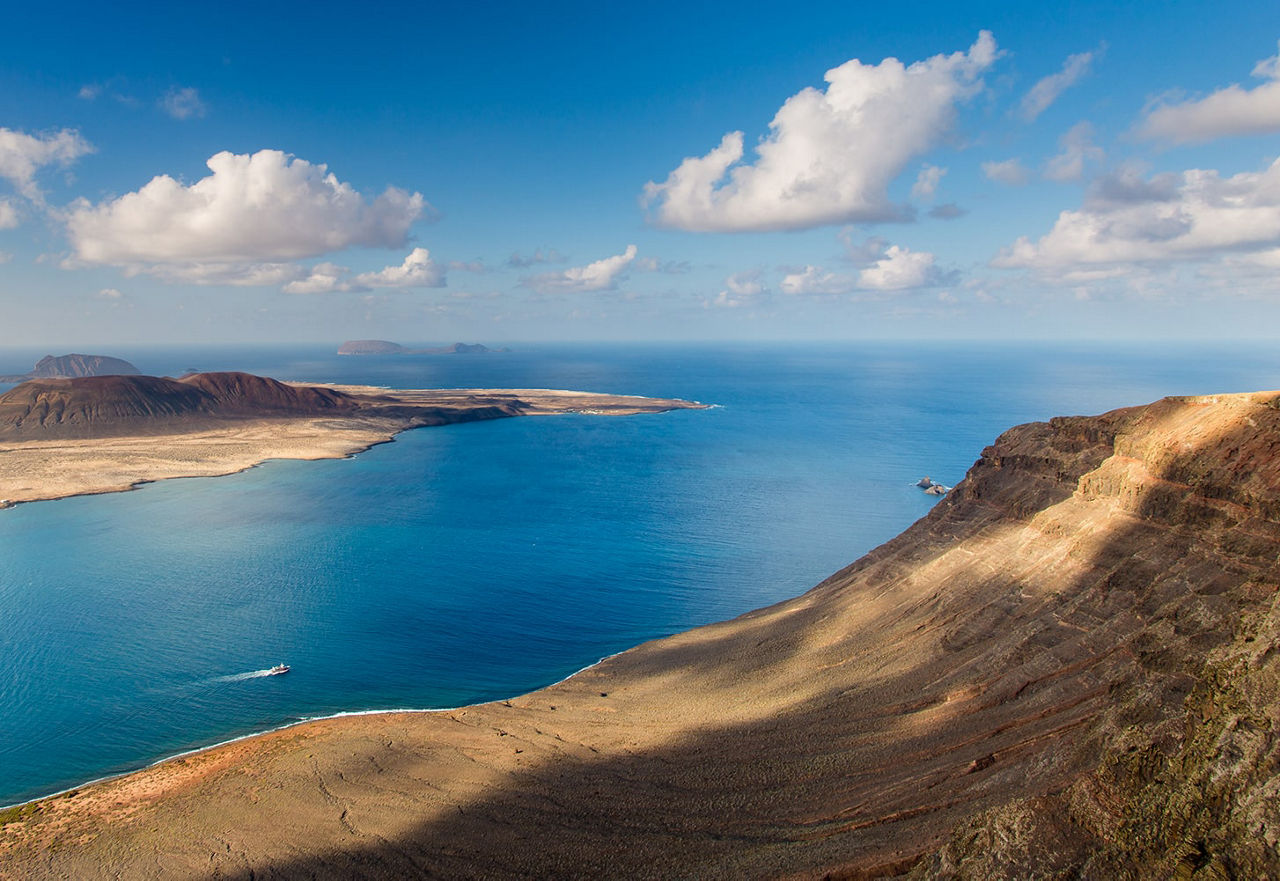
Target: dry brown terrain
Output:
[(120, 455), (1070, 668)]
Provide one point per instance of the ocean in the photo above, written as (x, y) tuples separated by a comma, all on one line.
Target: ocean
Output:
[(475, 562)]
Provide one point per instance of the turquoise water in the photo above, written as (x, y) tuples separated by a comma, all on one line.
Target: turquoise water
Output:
[(478, 561)]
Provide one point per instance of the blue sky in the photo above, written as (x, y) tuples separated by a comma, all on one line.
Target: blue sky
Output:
[(567, 171)]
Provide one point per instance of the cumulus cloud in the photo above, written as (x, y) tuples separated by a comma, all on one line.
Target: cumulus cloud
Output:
[(248, 217), (885, 267), (8, 214), (927, 182), (740, 288), (1007, 171), (898, 270), (109, 294), (830, 155), (183, 103), (417, 271), (234, 274), (1047, 90), (22, 155), (602, 275), (1077, 147), (1229, 111), (1128, 219), (815, 280)]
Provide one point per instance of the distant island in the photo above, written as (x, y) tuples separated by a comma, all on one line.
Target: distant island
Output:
[(384, 347), (93, 434), (54, 367)]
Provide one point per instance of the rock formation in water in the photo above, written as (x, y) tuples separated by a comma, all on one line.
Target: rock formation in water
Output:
[(1070, 668), (51, 367)]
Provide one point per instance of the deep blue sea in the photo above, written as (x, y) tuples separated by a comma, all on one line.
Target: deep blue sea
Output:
[(478, 561)]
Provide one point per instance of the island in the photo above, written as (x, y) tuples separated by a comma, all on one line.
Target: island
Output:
[(1070, 667), (384, 347), (64, 437), (52, 367)]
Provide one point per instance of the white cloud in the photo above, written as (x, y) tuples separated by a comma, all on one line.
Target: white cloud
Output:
[(602, 275), (22, 155), (234, 274), (898, 270), (1047, 90), (1127, 219), (89, 92), (1077, 146), (815, 280), (1007, 171), (417, 271), (243, 221), (741, 287), (927, 182), (8, 214), (1229, 111), (182, 103), (324, 278), (830, 155)]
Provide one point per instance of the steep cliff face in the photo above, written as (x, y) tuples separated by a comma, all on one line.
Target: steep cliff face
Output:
[(1070, 668)]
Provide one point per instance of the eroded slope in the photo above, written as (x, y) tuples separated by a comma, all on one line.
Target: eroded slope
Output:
[(1068, 668)]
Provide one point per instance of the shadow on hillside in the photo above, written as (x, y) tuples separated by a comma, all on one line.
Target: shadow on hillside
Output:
[(867, 779)]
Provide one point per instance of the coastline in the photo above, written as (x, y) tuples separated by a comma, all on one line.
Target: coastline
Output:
[(342, 714), (982, 669), (34, 470)]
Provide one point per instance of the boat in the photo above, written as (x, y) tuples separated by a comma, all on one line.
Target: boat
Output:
[(278, 669)]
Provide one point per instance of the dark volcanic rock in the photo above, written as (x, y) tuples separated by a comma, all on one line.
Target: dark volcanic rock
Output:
[(106, 406)]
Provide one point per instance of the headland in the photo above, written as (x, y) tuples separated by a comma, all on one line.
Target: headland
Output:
[(64, 437)]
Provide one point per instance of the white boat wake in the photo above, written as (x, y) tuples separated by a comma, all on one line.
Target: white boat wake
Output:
[(240, 677)]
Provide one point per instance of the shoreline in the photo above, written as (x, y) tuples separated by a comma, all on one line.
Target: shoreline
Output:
[(307, 720), (34, 469)]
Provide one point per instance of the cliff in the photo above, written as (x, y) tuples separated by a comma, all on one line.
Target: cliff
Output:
[(1069, 668)]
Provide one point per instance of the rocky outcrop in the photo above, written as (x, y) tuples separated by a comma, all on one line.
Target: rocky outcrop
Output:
[(1069, 668), (51, 367)]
